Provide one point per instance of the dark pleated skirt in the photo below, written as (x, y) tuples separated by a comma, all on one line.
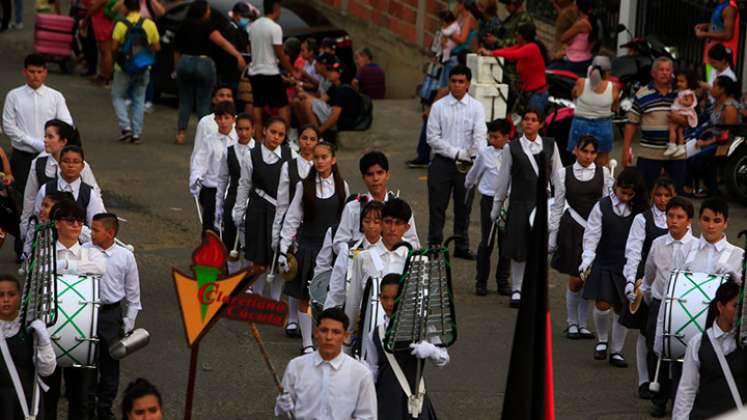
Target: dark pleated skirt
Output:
[(606, 283), (259, 218), (306, 259), (567, 257), (636, 321)]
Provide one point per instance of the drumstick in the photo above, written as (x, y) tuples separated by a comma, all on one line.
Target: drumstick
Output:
[(270, 277), (612, 165), (655, 386), (122, 244), (199, 210), (235, 250)]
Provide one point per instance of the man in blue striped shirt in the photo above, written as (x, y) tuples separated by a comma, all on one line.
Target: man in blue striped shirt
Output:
[(651, 111)]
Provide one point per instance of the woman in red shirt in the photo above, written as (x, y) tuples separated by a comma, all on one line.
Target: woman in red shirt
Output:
[(530, 55)]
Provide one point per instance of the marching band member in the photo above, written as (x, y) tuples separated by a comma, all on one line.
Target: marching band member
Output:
[(374, 167), (389, 369), (48, 203), (72, 162), (325, 260), (207, 125), (659, 263), (291, 172), (30, 351), (317, 204), (608, 225), (260, 174), (371, 225), (119, 284), (519, 171), (704, 391), (581, 185), (646, 227), (204, 168), (229, 173), (484, 175), (72, 258), (327, 384)]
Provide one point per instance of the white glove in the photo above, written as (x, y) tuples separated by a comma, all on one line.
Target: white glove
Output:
[(194, 189), (585, 264), (630, 291), (218, 215), (423, 350), (495, 212), (128, 325), (283, 264), (42, 336), (284, 404), (463, 156), (552, 242)]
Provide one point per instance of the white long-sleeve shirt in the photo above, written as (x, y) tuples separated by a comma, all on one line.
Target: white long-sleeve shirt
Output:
[(530, 148), (206, 161), (593, 231), (484, 171), (339, 389), (349, 229), (713, 258), (52, 170), (455, 125), (636, 237), (242, 154), (660, 263), (95, 204), (339, 278), (325, 188), (45, 360), (690, 380), (205, 127), (121, 280), (25, 112), (582, 175), (79, 260), (283, 197)]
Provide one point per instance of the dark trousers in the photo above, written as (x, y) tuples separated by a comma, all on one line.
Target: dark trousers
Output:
[(20, 164), (207, 202), (109, 330), (76, 392), (5, 4), (669, 372), (229, 228), (424, 150), (445, 180), (485, 249), (651, 169), (195, 80), (703, 166)]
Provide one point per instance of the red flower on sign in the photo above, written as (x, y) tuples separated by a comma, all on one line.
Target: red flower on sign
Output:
[(211, 253)]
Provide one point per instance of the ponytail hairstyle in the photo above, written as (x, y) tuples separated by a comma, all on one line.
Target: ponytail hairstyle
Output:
[(309, 188), (529, 32), (724, 294), (631, 178), (65, 131)]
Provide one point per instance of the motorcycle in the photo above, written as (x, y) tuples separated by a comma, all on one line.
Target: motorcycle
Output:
[(734, 169)]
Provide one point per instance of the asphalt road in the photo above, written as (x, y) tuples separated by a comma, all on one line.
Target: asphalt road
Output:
[(147, 185)]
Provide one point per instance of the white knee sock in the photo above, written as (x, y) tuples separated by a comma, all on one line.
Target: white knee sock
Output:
[(517, 275), (583, 310), (276, 288), (640, 359), (618, 335), (602, 321), (258, 286), (304, 321), (234, 267), (571, 305), (292, 309)]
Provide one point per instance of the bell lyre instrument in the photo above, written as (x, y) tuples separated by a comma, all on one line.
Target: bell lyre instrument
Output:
[(39, 299), (742, 310)]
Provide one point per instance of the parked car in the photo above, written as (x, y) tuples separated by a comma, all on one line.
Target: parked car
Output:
[(298, 19)]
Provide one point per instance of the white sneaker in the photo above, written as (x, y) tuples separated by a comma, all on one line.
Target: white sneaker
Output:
[(671, 149), (681, 151), (128, 102), (17, 26), (148, 107)]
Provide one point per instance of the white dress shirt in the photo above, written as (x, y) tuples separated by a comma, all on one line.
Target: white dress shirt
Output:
[(95, 204), (690, 380), (722, 257), (660, 263), (26, 111), (365, 266), (205, 165), (349, 229), (484, 171), (593, 231), (283, 197), (52, 170), (582, 175), (242, 154), (325, 188), (324, 259), (245, 182), (455, 125), (339, 279), (636, 237), (45, 360), (79, 260), (339, 389), (530, 149), (121, 279), (205, 127)]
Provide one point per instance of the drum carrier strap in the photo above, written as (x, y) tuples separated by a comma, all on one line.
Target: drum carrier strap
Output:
[(414, 402), (17, 382), (727, 371)]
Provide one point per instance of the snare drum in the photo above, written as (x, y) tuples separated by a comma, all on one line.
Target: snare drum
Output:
[(74, 330), (686, 308), (318, 289)]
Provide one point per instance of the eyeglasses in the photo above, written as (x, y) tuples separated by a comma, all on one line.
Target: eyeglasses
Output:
[(72, 220)]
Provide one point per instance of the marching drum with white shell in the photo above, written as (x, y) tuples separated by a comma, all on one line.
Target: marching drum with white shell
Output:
[(318, 289), (686, 308), (73, 332)]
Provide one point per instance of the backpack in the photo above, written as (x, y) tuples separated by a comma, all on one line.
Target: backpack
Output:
[(134, 55)]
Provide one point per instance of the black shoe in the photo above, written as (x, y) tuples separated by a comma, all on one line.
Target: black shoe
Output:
[(481, 289), (600, 351), (126, 135), (504, 289), (617, 360), (572, 332), (307, 350), (644, 393), (585, 334), (658, 410), (416, 164), (135, 140), (464, 254), (515, 300), (293, 332)]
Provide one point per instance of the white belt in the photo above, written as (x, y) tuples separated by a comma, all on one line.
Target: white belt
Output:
[(262, 194), (414, 402), (577, 217), (28, 412)]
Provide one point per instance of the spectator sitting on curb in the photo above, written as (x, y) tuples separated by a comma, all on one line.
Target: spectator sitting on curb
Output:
[(341, 108), (370, 78)]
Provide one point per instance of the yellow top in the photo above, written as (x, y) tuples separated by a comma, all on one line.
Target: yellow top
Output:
[(120, 29)]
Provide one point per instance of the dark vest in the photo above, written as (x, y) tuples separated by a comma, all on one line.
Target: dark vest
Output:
[(581, 196), (523, 178), (652, 232), (41, 175), (266, 176), (21, 348), (615, 229), (294, 177), (234, 173), (713, 396), (84, 195), (325, 215)]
